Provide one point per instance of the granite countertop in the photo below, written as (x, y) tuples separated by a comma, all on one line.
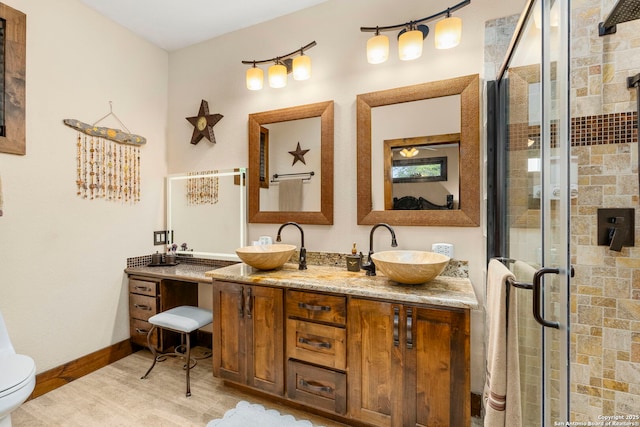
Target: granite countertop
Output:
[(442, 291), (186, 272)]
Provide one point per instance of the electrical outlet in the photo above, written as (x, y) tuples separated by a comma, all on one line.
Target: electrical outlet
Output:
[(159, 238), (443, 248)]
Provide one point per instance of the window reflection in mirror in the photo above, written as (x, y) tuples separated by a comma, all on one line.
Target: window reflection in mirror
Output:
[(422, 173), (282, 193), (206, 211)]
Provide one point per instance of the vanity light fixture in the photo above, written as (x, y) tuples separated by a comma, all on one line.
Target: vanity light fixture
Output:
[(296, 62), (448, 33)]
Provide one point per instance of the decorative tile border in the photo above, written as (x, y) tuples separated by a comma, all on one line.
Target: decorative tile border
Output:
[(455, 268)]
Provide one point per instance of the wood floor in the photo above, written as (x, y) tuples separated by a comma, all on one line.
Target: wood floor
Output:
[(116, 396)]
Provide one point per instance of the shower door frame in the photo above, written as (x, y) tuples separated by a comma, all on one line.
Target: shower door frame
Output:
[(554, 241)]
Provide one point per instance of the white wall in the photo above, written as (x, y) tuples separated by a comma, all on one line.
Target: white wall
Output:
[(213, 71), (62, 287)]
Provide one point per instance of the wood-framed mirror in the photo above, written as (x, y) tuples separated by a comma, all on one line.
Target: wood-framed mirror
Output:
[(311, 128), (460, 97)]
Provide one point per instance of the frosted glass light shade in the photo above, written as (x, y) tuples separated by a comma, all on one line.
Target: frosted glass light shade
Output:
[(301, 67), (255, 78), (410, 45), (277, 76), (377, 49), (448, 33)]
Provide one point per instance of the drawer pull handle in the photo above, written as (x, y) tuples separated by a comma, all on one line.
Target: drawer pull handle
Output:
[(314, 307), (249, 304), (315, 386), (314, 343), (142, 307), (142, 288), (142, 331), (396, 326), (409, 328)]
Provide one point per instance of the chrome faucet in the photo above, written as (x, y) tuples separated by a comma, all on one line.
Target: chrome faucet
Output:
[(302, 264), (370, 266)]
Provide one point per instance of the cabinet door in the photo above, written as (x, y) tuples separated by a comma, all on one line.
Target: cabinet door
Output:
[(229, 354), (373, 360), (264, 317), (436, 376)]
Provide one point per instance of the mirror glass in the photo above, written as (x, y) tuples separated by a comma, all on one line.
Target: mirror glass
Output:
[(291, 165), (422, 173), (443, 114), (300, 169), (206, 213)]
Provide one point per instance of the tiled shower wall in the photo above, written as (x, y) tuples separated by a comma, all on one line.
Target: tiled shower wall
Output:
[(605, 293)]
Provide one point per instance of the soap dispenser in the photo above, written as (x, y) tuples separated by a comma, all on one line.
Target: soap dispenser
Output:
[(353, 260)]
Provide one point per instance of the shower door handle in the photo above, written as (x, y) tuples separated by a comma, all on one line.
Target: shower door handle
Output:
[(537, 297)]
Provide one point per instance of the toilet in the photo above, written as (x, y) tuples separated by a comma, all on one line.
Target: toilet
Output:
[(17, 377)]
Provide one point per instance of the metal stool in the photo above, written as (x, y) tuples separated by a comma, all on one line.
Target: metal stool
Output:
[(184, 320)]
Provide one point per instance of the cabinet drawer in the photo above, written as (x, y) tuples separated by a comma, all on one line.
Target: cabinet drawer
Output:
[(143, 287), (142, 307), (324, 308), (139, 330), (320, 388), (316, 343)]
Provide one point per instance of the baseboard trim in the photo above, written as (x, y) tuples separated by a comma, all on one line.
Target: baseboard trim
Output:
[(70, 371)]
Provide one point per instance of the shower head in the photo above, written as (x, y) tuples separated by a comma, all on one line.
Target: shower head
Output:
[(623, 11)]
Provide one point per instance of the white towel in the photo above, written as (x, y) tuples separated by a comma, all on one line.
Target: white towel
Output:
[(290, 195), (502, 386)]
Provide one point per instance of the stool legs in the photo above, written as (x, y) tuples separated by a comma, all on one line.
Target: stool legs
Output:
[(153, 351), (188, 363), (187, 360)]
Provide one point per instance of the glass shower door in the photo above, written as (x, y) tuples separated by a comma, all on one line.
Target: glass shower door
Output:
[(533, 201)]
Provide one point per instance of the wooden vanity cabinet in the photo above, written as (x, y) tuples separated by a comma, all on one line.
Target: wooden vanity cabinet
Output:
[(149, 296), (408, 365), (317, 350), (248, 343), (144, 302)]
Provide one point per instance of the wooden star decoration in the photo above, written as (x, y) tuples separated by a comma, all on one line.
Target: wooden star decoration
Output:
[(203, 124), (298, 154)]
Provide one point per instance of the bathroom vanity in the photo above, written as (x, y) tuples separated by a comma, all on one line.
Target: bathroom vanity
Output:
[(353, 347)]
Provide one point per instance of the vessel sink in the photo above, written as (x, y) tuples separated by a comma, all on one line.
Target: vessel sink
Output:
[(266, 257), (410, 267)]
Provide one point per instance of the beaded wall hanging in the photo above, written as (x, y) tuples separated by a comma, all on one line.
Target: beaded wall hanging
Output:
[(202, 190), (107, 161)]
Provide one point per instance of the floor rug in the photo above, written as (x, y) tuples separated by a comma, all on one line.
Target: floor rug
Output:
[(247, 414)]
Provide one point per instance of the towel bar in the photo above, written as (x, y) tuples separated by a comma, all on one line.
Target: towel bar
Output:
[(276, 175)]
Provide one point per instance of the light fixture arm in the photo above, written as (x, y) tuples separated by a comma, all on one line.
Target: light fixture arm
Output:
[(281, 58), (446, 12)]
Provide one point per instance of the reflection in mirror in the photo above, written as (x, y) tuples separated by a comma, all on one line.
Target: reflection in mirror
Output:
[(292, 150), (294, 181), (422, 173), (437, 108), (206, 213)]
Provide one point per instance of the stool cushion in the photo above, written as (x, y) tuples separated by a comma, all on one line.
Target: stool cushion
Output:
[(183, 319)]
